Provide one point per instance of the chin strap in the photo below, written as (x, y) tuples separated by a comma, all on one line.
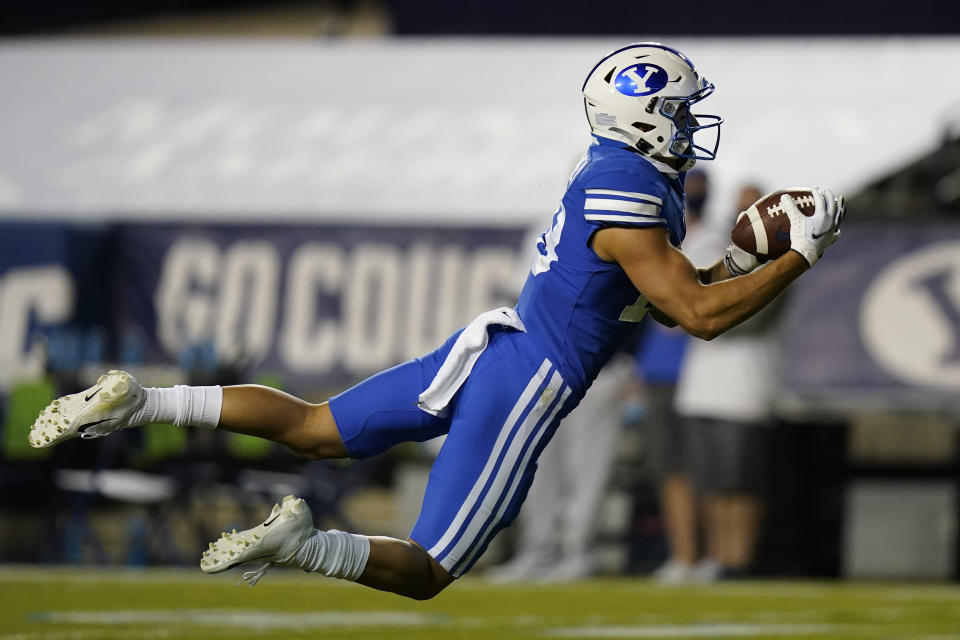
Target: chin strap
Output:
[(659, 164)]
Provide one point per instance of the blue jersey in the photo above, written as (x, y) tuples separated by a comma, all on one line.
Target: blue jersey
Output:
[(575, 306)]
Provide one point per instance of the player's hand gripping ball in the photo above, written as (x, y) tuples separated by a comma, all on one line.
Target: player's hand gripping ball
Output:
[(764, 228)]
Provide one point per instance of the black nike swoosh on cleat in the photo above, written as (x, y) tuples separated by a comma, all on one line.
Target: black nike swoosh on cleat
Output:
[(90, 397), (270, 520), (83, 428)]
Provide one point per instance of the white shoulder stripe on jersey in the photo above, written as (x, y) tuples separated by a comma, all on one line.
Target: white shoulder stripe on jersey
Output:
[(643, 208), (624, 194), (475, 493), (635, 219)]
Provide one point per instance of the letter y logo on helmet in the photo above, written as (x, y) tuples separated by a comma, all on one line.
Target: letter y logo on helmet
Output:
[(641, 80), (643, 94)]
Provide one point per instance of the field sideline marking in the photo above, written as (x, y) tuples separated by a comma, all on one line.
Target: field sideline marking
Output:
[(246, 618), (168, 575), (698, 630), (840, 589), (756, 589)]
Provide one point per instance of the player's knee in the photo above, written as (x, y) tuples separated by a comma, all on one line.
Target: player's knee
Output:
[(314, 452), (433, 578), (320, 438), (320, 450), (430, 589)]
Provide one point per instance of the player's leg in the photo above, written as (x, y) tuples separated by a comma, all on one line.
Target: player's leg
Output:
[(367, 419), (508, 411), (405, 568), (118, 401), (375, 415), (309, 429), (372, 417), (288, 538), (538, 545)]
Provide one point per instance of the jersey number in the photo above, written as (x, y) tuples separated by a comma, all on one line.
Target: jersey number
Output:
[(636, 311), (547, 243), (547, 253)]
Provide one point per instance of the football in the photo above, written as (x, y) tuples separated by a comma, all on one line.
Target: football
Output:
[(764, 228)]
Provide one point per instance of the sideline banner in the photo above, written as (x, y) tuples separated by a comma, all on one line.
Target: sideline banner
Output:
[(877, 323), (54, 300), (321, 304)]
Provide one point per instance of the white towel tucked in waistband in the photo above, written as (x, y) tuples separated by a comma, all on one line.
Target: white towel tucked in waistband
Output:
[(463, 355)]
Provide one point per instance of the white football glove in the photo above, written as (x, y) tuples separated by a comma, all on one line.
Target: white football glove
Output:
[(811, 235), (739, 262)]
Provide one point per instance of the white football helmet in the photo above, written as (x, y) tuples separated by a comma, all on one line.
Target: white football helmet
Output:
[(642, 94)]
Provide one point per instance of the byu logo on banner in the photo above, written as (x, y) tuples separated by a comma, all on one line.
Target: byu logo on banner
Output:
[(910, 317)]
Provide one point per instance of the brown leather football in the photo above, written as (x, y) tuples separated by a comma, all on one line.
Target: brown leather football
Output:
[(764, 228)]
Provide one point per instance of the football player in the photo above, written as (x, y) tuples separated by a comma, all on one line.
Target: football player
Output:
[(500, 386)]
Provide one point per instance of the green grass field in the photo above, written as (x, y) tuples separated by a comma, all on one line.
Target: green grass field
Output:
[(81, 604)]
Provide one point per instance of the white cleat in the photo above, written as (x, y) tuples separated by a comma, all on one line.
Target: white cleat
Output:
[(274, 541), (100, 410)]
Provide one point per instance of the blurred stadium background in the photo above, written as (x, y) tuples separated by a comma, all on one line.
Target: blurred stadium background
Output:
[(303, 193)]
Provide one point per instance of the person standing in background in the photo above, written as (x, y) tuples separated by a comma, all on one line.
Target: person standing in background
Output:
[(727, 430)]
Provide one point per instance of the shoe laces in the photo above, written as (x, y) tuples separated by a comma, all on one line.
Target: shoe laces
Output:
[(253, 577), (92, 435)]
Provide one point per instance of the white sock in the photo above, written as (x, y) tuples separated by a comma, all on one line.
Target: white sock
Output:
[(180, 406), (333, 553)]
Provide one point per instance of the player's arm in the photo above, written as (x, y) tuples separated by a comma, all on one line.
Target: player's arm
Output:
[(673, 285), (736, 262), (662, 318), (716, 273), (726, 299)]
